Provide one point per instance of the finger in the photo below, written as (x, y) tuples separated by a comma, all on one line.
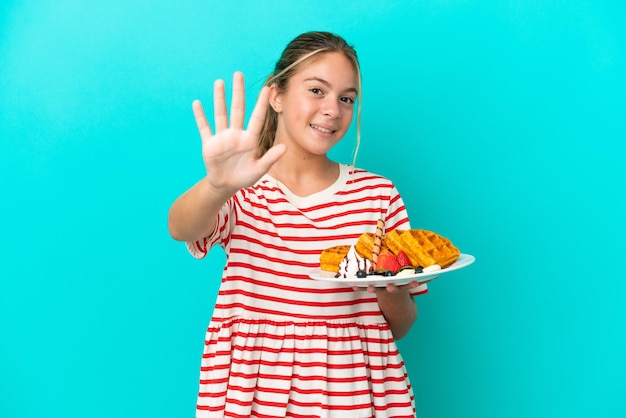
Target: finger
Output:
[(257, 119), (271, 156), (238, 105), (219, 106), (203, 125)]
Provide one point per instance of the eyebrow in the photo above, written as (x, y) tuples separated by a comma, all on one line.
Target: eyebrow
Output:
[(326, 83)]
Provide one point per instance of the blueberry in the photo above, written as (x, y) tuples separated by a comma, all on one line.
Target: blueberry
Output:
[(361, 274), (419, 269), (388, 273)]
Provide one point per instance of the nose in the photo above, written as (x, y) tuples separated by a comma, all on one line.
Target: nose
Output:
[(331, 108)]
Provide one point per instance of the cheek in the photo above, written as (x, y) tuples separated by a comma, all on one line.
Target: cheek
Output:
[(301, 110), (347, 116)]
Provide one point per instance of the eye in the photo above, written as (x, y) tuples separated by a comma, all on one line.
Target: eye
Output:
[(348, 100), (315, 90)]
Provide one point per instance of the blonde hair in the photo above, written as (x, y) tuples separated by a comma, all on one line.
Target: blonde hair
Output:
[(298, 53)]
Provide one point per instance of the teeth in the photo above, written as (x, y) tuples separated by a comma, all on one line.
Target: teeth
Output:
[(319, 128)]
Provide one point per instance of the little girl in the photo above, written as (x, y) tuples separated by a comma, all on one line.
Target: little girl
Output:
[(281, 344)]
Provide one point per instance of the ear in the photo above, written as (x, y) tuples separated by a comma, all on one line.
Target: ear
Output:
[(276, 99)]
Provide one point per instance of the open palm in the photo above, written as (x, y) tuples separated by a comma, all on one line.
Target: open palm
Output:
[(230, 154)]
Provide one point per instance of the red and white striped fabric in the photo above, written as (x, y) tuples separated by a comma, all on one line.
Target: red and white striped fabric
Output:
[(281, 344)]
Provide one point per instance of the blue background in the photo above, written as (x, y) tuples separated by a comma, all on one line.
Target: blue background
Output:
[(501, 122)]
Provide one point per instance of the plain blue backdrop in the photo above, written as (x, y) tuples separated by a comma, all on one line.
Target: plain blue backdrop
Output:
[(501, 122)]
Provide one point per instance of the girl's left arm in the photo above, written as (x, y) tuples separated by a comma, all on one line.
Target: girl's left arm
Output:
[(398, 307)]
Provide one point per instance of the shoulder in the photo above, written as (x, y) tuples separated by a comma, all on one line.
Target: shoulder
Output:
[(363, 176), (264, 189)]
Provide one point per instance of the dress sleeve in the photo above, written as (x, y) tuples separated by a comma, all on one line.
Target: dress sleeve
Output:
[(220, 235), (420, 290), (396, 216)]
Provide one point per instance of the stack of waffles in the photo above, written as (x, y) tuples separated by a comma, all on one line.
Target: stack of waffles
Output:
[(423, 248)]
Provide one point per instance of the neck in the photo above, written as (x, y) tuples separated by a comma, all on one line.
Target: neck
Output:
[(304, 178), (304, 167)]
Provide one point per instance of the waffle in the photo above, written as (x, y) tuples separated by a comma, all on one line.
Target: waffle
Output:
[(365, 246), (424, 248), (332, 257)]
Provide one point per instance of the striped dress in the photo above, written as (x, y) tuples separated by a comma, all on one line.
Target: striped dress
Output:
[(281, 344)]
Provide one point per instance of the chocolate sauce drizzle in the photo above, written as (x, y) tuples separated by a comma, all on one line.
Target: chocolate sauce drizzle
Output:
[(361, 265)]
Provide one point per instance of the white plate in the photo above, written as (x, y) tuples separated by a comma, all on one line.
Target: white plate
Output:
[(464, 260)]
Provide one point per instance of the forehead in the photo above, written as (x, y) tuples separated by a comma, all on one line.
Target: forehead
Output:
[(332, 67)]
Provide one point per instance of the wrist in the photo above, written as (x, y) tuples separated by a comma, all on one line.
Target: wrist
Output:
[(216, 192)]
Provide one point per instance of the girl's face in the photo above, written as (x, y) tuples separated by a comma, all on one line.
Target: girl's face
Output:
[(316, 110)]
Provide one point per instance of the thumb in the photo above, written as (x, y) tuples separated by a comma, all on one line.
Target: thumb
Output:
[(271, 156)]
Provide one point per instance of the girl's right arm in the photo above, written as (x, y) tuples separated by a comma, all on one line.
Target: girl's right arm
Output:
[(230, 157), (193, 215)]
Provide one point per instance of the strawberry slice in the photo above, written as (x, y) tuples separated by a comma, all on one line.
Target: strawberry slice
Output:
[(387, 261), (403, 259)]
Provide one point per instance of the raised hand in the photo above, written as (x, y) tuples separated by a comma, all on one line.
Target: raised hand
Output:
[(230, 153)]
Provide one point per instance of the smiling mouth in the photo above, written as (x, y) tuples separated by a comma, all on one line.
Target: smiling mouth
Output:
[(322, 129)]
